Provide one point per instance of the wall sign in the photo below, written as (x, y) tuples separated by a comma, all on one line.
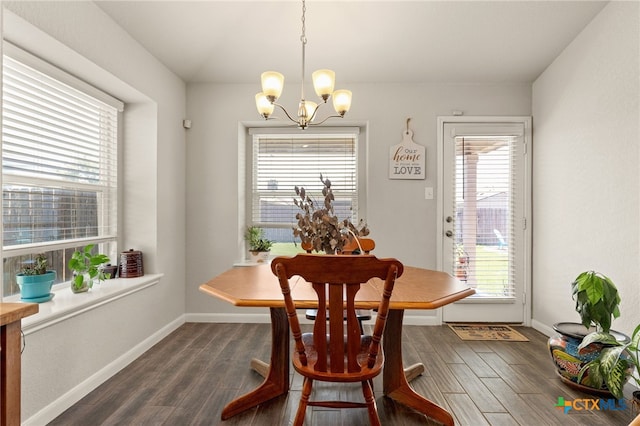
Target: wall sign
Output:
[(407, 159)]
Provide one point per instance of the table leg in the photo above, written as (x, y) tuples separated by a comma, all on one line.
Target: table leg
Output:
[(276, 382), (395, 384), (10, 373)]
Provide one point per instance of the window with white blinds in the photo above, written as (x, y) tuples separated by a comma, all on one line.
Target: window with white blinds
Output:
[(59, 165), (484, 185), (282, 162)]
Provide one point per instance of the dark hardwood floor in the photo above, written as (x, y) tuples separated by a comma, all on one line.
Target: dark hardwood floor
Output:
[(187, 378)]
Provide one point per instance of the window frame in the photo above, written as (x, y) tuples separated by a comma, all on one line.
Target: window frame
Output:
[(359, 132), (107, 243)]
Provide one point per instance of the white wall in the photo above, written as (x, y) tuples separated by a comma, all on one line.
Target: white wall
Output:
[(585, 109), (586, 173), (80, 38), (403, 223)]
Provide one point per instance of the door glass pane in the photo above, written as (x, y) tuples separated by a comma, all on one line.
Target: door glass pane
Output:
[(483, 214)]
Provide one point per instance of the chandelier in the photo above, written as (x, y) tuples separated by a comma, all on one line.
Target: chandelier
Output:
[(323, 83)]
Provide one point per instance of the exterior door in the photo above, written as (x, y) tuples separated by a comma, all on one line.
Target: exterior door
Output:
[(483, 206)]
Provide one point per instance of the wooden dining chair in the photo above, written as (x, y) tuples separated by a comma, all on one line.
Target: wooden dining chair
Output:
[(360, 245), (338, 353)]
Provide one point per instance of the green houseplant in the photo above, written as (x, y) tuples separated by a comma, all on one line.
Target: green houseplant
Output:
[(317, 225), (259, 246), (35, 280), (616, 361), (86, 267), (597, 302)]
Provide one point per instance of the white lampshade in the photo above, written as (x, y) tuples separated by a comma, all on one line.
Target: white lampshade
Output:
[(311, 108), (323, 82), (265, 108), (272, 84), (342, 101)]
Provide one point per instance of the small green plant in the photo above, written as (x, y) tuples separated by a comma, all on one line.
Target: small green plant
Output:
[(597, 300), (612, 366), (38, 266), (83, 262), (254, 235)]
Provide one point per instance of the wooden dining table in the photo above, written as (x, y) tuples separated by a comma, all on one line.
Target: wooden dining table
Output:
[(417, 288)]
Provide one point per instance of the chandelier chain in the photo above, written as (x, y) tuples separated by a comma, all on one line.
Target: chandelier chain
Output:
[(303, 37)]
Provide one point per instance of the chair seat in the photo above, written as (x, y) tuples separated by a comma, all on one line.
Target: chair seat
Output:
[(328, 376)]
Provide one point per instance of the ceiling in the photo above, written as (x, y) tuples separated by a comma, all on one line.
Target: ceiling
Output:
[(471, 42)]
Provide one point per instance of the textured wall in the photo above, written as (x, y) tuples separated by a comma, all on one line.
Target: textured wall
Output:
[(586, 173), (80, 38), (402, 222)]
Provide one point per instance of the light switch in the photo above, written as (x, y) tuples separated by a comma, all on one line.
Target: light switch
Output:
[(428, 193)]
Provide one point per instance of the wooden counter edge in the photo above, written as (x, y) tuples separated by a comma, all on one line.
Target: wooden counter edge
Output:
[(11, 312)]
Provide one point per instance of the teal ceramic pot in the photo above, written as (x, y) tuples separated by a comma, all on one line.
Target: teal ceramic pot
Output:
[(35, 287), (563, 347)]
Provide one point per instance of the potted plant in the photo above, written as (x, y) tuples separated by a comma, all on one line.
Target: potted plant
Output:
[(597, 303), (259, 246), (35, 280), (86, 267), (615, 363), (317, 225)]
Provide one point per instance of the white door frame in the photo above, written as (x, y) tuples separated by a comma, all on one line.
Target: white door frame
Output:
[(526, 121)]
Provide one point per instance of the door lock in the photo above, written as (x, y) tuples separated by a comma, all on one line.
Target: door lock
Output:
[(449, 233), (449, 219)]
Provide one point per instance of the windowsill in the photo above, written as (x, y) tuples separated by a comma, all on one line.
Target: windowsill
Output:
[(250, 263), (66, 304)]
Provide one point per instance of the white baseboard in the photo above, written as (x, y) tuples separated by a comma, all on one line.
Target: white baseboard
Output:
[(421, 319), (74, 395), (542, 328), (229, 318), (265, 318)]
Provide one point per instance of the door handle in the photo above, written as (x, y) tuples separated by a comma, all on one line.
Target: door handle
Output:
[(449, 233)]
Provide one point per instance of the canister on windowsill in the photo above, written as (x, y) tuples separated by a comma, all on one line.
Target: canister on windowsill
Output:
[(110, 269), (131, 264)]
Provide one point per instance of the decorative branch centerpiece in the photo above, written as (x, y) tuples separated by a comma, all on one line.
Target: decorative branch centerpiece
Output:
[(318, 226)]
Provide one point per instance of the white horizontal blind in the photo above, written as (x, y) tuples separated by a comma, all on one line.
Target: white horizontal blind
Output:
[(281, 162), (59, 161), (484, 185)]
